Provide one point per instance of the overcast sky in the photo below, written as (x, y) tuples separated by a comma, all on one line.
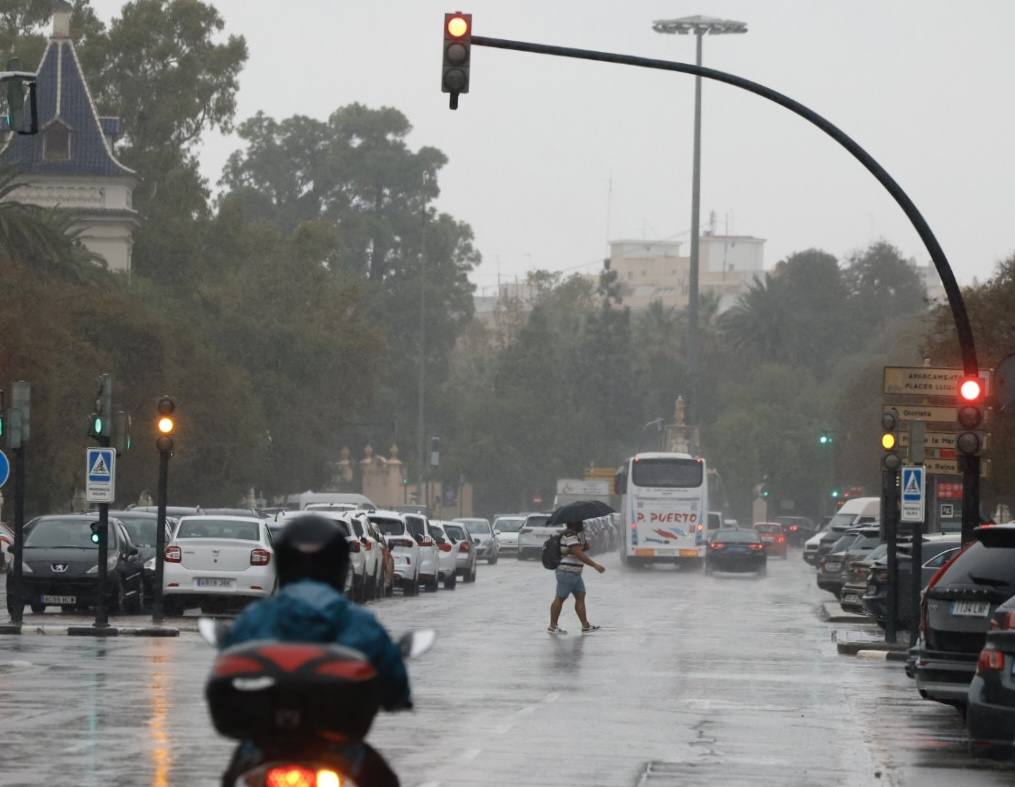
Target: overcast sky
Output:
[(925, 85)]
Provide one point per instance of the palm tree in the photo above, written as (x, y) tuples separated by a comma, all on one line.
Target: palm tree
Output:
[(757, 324)]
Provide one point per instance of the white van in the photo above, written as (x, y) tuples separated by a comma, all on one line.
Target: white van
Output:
[(858, 511)]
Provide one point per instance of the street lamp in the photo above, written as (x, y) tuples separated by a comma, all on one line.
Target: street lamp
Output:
[(698, 26)]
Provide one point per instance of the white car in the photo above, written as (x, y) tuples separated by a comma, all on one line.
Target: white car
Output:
[(533, 535), (505, 530), (216, 562), (447, 556), (403, 547), (373, 558), (355, 580), (419, 526), (483, 538)]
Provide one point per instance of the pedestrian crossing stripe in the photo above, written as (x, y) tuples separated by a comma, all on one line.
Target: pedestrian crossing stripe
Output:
[(912, 485), (99, 467)]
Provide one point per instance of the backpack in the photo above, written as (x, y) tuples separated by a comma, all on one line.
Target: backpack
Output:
[(551, 553)]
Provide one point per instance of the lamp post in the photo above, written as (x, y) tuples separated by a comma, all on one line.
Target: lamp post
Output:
[(699, 26)]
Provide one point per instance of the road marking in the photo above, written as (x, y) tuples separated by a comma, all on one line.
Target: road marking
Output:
[(553, 696), (470, 754)]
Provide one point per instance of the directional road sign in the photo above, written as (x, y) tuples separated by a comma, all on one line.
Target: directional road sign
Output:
[(914, 494), (100, 472), (951, 467), (946, 416), (5, 468), (940, 440), (926, 381)]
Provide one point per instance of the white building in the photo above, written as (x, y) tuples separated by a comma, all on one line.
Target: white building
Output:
[(70, 163)]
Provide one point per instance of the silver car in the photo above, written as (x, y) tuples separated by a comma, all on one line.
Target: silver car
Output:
[(506, 530), (486, 545), (465, 554), (533, 534)]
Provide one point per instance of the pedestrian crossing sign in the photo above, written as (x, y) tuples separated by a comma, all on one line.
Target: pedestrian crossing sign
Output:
[(913, 494), (100, 474)]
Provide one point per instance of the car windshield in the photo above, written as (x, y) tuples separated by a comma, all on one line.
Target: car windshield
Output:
[(840, 520), (389, 527), (477, 526), (455, 532), (141, 530), (844, 543), (537, 521), (768, 528), (509, 524), (878, 552), (676, 473), (735, 536), (980, 565), (219, 528), (55, 533), (866, 542)]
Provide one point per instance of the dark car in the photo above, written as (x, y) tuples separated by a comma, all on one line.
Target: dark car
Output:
[(140, 526), (797, 528), (935, 552), (60, 566), (857, 573), (990, 701), (736, 550), (774, 538), (853, 544), (957, 610)]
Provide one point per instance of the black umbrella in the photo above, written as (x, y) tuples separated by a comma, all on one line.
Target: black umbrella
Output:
[(581, 510)]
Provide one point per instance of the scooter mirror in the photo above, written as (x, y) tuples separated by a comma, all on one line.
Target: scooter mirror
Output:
[(416, 643), (212, 631)]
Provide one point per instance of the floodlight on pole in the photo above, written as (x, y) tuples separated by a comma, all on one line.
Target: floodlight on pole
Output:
[(699, 26)]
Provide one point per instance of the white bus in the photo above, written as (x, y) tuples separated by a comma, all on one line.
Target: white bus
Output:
[(664, 508)]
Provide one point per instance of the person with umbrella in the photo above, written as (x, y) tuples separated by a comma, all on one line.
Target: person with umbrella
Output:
[(569, 574)]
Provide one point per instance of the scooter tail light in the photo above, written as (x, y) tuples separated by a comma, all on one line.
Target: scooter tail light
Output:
[(301, 776)]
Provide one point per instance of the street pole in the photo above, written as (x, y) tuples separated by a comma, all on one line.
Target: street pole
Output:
[(693, 275), (890, 517), (970, 496), (18, 607), (420, 449), (158, 614), (915, 581), (101, 608)]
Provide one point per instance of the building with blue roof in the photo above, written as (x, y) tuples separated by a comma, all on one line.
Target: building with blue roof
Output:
[(70, 163)]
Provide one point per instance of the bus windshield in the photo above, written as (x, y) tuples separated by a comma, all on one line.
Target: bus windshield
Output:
[(680, 473)]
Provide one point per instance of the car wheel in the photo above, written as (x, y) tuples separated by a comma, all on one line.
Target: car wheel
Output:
[(172, 608), (451, 581), (37, 607), (492, 561), (433, 584), (410, 587), (136, 606)]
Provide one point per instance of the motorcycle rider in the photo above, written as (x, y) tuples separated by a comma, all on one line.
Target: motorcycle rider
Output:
[(312, 561)]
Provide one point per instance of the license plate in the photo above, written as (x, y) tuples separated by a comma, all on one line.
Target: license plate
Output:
[(851, 597), (832, 566), (214, 582), (970, 609), (63, 600)]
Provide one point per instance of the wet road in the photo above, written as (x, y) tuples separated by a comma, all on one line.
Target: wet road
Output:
[(693, 680)]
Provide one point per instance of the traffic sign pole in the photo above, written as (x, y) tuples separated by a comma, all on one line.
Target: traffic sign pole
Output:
[(889, 496), (158, 614), (101, 609), (970, 496)]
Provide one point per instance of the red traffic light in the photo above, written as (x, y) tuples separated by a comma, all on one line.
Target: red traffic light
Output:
[(970, 389), (457, 26)]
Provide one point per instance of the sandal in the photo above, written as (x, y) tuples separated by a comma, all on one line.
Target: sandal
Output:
[(555, 630), (590, 629)]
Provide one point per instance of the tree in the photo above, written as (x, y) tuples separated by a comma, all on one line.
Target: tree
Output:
[(883, 286)]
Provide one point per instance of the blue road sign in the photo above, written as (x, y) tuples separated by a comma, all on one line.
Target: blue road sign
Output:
[(914, 498), (5, 468), (100, 467)]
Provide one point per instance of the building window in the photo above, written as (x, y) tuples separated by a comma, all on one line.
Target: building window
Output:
[(56, 143)]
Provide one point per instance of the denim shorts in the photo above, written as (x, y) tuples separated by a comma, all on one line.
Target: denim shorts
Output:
[(569, 582)]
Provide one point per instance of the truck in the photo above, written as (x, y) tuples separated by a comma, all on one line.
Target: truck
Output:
[(572, 490)]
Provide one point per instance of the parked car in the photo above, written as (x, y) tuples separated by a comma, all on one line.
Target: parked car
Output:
[(774, 536), (936, 550), (356, 578), (6, 542), (505, 530), (174, 511), (465, 553), (373, 559), (533, 533), (419, 527), (735, 550), (797, 528), (141, 527), (487, 546), (405, 551), (957, 610), (447, 558), (856, 543), (854, 513), (60, 566), (857, 573), (218, 563), (387, 559), (990, 701)]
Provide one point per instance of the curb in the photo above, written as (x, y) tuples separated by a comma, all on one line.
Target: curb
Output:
[(840, 616), (855, 648), (88, 631)]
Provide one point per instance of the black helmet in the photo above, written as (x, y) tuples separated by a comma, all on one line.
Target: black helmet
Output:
[(312, 547)]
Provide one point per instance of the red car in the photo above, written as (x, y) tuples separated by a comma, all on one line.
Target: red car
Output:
[(773, 536)]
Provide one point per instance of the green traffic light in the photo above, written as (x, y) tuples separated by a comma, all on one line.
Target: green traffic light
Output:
[(95, 538), (825, 439), (97, 425), (835, 493)]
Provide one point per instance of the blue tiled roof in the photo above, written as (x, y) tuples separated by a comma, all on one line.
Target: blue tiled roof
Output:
[(63, 97)]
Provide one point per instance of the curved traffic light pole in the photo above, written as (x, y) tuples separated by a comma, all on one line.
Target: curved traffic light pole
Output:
[(944, 270)]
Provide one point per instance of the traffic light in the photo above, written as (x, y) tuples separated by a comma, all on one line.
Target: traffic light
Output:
[(836, 494), (457, 53), (121, 432), (765, 491), (100, 423), (889, 440), (825, 438), (970, 415), (96, 535), (165, 424), (435, 451)]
